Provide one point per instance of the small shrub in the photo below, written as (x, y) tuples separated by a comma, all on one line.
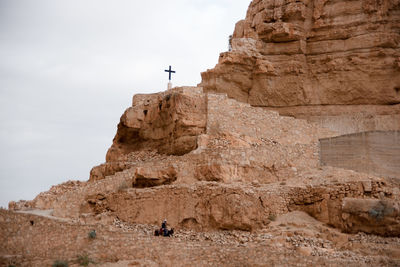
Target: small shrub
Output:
[(283, 183), (92, 234), (84, 260), (59, 263)]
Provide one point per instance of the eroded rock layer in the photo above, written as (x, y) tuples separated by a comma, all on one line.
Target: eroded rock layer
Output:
[(241, 184), (168, 122), (246, 165), (313, 53), (294, 239)]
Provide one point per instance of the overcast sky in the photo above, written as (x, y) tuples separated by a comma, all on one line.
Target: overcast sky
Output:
[(69, 68)]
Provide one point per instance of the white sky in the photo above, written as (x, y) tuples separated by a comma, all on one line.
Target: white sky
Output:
[(69, 68)]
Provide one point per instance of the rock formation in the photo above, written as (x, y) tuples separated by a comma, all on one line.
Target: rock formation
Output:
[(294, 239), (241, 184), (167, 122), (223, 165), (309, 58)]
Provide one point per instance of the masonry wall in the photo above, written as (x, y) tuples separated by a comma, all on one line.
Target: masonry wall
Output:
[(376, 152)]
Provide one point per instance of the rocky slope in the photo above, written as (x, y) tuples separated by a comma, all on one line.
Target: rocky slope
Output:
[(243, 168), (241, 184), (294, 239), (246, 165)]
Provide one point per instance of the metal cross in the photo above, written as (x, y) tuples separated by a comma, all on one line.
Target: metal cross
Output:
[(170, 71)]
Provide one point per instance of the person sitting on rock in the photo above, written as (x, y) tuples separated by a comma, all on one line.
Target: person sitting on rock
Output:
[(164, 229)]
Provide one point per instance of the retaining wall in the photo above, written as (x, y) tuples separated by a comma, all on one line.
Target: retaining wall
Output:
[(376, 152)]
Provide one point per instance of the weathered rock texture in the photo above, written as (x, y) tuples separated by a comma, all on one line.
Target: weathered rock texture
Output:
[(372, 152), (206, 206), (221, 132), (245, 166), (294, 239), (314, 53), (216, 166), (168, 122)]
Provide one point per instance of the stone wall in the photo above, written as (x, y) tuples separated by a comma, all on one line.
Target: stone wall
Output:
[(371, 152)]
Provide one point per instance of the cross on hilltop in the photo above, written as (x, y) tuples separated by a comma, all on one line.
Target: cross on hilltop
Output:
[(170, 71)]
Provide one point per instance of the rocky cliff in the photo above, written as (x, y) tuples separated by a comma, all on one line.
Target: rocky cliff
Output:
[(221, 164), (241, 184), (301, 57)]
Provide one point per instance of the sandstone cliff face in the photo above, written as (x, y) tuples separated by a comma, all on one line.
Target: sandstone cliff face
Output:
[(221, 132), (291, 53), (168, 122), (208, 162), (351, 206), (245, 166)]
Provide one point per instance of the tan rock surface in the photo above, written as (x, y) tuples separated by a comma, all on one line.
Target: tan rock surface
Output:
[(290, 53), (250, 170), (295, 240), (249, 165), (242, 185), (315, 54), (168, 122)]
